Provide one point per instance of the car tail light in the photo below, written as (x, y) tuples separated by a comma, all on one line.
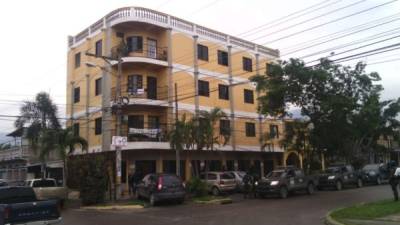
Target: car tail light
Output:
[(7, 213), (160, 183)]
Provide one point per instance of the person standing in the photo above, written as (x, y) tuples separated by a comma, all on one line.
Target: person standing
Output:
[(394, 180), (130, 183), (247, 181)]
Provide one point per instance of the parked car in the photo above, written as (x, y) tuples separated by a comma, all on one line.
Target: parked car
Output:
[(285, 180), (338, 176), (19, 205), (219, 182), (238, 179), (47, 189), (3, 183), (375, 173), (161, 187)]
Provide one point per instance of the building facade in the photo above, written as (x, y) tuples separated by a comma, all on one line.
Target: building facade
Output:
[(210, 69)]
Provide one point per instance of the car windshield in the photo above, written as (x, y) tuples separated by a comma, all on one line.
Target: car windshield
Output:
[(276, 174), (370, 167), (241, 174), (333, 170)]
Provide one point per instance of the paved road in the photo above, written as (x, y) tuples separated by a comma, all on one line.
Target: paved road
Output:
[(296, 210)]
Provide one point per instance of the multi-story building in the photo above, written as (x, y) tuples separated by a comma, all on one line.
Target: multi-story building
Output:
[(210, 69)]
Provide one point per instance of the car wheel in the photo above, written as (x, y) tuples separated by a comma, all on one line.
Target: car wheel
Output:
[(215, 191), (359, 183), (283, 192), (310, 188), (152, 200), (378, 181), (339, 185)]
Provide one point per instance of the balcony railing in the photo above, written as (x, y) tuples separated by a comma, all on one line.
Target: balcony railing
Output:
[(161, 93), (146, 51), (154, 134), (15, 153)]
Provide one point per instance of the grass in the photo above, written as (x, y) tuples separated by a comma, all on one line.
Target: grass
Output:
[(367, 211)]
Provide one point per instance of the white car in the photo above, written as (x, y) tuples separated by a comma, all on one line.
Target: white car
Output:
[(46, 189)]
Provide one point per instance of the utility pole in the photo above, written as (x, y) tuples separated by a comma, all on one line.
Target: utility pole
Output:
[(118, 130), (177, 156)]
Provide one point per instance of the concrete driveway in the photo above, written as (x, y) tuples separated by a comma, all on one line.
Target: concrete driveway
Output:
[(300, 209)]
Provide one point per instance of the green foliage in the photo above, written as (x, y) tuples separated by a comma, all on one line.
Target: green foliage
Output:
[(92, 177), (197, 187), (343, 103)]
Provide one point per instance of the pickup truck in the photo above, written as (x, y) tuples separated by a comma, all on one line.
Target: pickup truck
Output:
[(284, 180), (338, 176), (18, 205), (47, 189)]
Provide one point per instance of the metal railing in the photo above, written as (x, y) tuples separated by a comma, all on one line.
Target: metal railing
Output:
[(15, 152), (147, 51), (147, 134), (161, 19), (141, 93)]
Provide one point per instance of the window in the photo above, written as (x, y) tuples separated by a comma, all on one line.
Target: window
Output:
[(135, 84), (77, 60), (224, 127), (99, 48), (273, 130), (154, 122), (97, 126), (223, 91), (248, 96), (77, 94), (75, 129), (204, 89), (136, 121), (250, 130), (222, 58), (247, 64), (202, 52), (97, 90), (135, 44)]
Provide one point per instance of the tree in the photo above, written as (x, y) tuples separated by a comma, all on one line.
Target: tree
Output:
[(40, 119), (343, 103)]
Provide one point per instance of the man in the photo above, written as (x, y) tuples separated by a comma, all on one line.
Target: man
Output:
[(394, 179), (130, 183), (247, 181)]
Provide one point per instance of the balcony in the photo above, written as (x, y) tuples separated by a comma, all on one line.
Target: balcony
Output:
[(138, 95), (15, 153), (147, 52)]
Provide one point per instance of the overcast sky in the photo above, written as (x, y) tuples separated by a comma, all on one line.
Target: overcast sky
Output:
[(34, 36)]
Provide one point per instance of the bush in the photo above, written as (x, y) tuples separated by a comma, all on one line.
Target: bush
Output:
[(88, 174), (197, 187)]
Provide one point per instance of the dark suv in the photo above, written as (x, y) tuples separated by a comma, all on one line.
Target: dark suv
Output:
[(161, 187), (338, 176), (375, 173)]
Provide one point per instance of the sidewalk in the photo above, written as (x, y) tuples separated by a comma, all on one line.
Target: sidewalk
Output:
[(387, 220)]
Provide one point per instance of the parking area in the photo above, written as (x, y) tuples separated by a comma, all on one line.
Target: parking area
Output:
[(299, 209)]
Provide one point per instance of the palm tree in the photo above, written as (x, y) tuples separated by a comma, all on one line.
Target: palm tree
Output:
[(41, 122), (66, 143)]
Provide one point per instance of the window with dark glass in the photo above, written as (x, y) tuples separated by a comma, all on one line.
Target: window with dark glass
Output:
[(250, 129), (136, 121), (204, 88), (269, 67), (77, 60), (222, 58), (134, 43), (273, 130), (223, 91), (202, 52), (75, 129), (135, 84), (77, 94), (248, 96), (99, 48), (154, 122), (97, 126), (247, 64), (97, 90), (224, 127)]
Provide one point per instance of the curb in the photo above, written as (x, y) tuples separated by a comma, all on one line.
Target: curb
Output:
[(330, 221), (216, 201), (112, 207)]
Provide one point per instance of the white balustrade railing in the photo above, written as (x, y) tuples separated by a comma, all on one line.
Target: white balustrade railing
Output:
[(15, 152), (143, 14)]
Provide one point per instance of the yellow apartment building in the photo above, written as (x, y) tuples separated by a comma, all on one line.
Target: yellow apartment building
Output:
[(211, 69)]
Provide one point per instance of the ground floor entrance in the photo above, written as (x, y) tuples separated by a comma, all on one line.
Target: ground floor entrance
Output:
[(195, 162)]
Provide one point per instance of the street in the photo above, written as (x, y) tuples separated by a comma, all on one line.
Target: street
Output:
[(299, 209)]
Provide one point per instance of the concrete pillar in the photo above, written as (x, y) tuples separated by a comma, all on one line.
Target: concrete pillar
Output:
[(236, 164), (231, 100), (159, 164), (72, 103), (196, 75), (262, 168), (188, 168), (223, 161), (260, 120), (301, 160), (322, 161), (170, 109), (285, 155), (87, 108), (106, 94)]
